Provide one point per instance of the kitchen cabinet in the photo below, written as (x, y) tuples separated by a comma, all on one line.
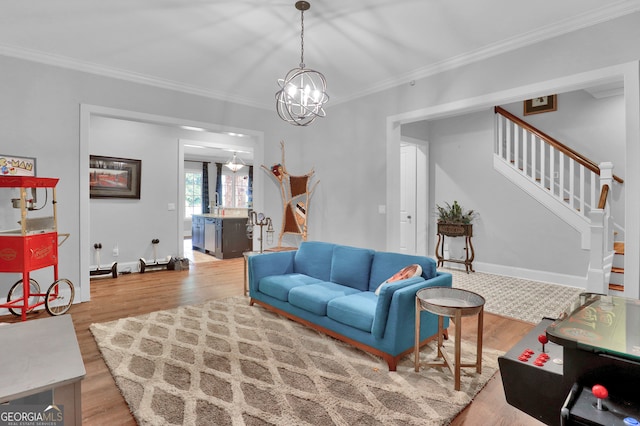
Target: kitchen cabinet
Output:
[(231, 237), (222, 237)]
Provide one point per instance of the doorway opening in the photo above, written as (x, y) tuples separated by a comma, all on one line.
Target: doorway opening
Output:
[(168, 201)]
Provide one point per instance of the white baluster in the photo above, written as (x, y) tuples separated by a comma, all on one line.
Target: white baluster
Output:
[(525, 151), (572, 187), (516, 147), (543, 163), (508, 140), (594, 195), (582, 192), (552, 170), (533, 157)]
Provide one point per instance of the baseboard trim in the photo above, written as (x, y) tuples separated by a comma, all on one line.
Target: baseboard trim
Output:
[(527, 274)]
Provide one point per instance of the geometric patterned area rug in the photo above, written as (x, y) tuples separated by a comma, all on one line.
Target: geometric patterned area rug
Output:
[(227, 363), (525, 300)]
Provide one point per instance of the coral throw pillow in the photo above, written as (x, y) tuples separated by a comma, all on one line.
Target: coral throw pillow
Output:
[(407, 272)]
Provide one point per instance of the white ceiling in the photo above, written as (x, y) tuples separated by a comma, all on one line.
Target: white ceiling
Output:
[(237, 49)]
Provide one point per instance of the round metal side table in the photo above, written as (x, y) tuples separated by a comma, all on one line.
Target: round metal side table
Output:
[(454, 303)]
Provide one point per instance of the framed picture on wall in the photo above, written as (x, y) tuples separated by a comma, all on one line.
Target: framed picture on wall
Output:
[(541, 104), (111, 177)]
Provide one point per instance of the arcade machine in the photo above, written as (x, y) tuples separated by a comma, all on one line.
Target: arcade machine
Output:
[(581, 369)]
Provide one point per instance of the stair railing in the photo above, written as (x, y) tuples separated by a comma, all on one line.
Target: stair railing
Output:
[(578, 182), (576, 156), (564, 173)]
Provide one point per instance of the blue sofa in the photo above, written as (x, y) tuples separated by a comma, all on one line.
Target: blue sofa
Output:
[(331, 288)]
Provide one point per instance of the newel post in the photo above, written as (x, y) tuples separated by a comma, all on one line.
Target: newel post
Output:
[(601, 237), (596, 275), (606, 174), (606, 178)]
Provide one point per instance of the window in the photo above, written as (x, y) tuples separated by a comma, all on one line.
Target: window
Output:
[(234, 189), (192, 193)]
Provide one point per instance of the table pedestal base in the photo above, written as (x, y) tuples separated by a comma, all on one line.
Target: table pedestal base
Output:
[(455, 365)]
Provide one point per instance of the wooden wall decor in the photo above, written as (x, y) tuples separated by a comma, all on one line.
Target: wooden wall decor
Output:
[(296, 195)]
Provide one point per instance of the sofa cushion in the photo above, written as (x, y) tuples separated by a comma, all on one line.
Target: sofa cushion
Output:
[(355, 310), (386, 264), (314, 297), (351, 266), (313, 258), (278, 286)]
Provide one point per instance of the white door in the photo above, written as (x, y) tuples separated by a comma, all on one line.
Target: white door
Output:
[(408, 175)]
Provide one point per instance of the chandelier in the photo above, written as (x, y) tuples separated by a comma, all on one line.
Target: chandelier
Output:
[(234, 165), (303, 91)]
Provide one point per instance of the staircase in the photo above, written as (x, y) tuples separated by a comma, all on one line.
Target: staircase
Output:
[(616, 281), (570, 185)]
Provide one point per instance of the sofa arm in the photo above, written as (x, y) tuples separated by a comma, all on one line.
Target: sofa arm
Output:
[(398, 308), (267, 264), (384, 302)]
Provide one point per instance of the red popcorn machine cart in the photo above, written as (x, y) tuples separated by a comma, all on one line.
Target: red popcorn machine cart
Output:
[(29, 242)]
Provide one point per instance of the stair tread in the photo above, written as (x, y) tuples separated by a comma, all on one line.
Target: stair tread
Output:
[(617, 270), (618, 247), (616, 287)]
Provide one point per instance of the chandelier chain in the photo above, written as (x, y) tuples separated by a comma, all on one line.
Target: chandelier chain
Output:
[(302, 39)]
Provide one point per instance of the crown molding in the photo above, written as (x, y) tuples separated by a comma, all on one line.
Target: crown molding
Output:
[(120, 74), (565, 26)]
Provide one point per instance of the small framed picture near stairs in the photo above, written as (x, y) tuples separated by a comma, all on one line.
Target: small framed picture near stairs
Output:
[(541, 104)]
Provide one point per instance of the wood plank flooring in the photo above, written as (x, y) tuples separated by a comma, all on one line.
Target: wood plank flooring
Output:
[(135, 294)]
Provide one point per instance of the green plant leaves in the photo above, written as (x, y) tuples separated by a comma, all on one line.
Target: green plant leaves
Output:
[(454, 213)]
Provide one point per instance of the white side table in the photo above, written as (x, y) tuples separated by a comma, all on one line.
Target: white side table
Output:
[(42, 356)]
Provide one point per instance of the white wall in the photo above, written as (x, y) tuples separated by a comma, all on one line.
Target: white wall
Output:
[(128, 223), (39, 117)]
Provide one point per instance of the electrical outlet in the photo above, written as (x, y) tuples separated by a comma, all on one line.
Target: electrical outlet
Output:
[(116, 251)]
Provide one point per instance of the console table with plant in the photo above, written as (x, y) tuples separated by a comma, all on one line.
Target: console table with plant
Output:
[(454, 221)]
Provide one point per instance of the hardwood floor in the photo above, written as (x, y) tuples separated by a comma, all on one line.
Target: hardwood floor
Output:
[(135, 294)]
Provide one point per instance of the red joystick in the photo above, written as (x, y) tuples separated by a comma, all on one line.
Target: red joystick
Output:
[(600, 392), (543, 339)]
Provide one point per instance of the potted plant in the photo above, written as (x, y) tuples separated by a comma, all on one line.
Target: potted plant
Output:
[(454, 221)]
